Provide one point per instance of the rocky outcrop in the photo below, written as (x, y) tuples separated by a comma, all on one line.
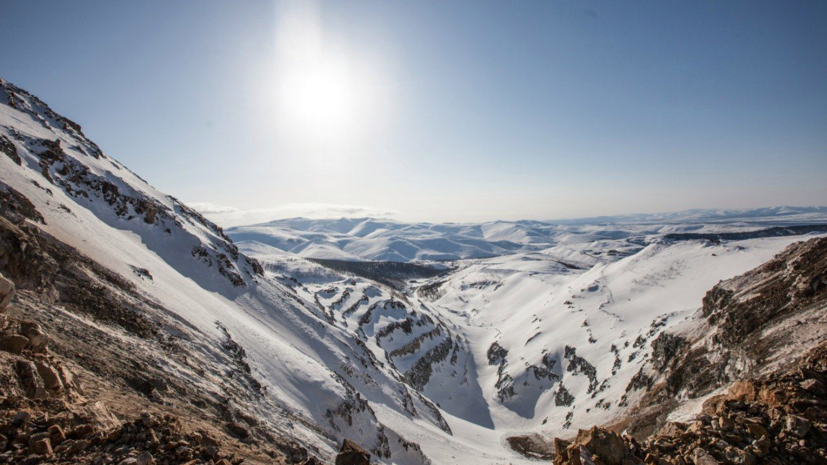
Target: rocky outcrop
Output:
[(580, 366), (6, 293), (751, 324), (777, 419), (61, 161), (352, 454), (791, 282), (595, 446)]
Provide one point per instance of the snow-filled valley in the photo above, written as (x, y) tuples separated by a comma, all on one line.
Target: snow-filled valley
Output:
[(539, 345), (529, 327)]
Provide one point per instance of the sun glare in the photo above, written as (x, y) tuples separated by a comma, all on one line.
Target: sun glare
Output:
[(320, 97), (324, 91)]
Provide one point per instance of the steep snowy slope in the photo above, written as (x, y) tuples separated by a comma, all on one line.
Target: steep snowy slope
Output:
[(305, 365)]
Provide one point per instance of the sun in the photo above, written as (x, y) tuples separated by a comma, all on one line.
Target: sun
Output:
[(330, 95), (320, 98)]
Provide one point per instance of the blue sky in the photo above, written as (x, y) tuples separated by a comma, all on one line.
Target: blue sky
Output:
[(442, 111)]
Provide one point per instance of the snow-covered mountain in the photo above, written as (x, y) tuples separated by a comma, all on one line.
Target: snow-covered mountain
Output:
[(388, 240), (321, 381), (534, 328)]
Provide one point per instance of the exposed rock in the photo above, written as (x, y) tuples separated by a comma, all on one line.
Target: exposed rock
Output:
[(37, 338), (814, 387), (593, 443), (7, 147), (41, 447), (56, 435), (798, 426), (13, 343), (31, 380), (496, 354), (770, 420), (352, 454), (531, 446), (6, 293), (51, 380), (702, 457), (144, 458)]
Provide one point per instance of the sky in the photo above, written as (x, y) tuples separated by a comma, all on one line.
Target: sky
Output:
[(458, 111)]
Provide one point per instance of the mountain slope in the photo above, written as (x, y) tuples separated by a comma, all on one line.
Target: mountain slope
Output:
[(183, 267)]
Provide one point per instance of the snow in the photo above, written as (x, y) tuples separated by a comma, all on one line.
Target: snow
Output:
[(534, 288)]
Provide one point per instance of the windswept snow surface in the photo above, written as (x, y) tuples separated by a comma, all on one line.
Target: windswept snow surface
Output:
[(542, 335)]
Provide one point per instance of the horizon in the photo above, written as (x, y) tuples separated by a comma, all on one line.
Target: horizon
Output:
[(464, 113), (229, 223)]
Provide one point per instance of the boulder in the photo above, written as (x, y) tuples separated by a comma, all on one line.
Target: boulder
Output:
[(726, 423), (56, 435), (605, 444), (145, 458), (51, 379), (31, 380), (6, 293), (68, 379), (352, 454), (702, 457), (37, 338), (814, 386), (41, 447), (13, 343), (798, 426), (594, 445)]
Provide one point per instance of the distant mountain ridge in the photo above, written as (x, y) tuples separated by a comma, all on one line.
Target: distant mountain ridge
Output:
[(390, 240)]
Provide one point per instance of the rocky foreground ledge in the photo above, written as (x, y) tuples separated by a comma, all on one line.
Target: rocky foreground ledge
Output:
[(47, 417), (776, 419)]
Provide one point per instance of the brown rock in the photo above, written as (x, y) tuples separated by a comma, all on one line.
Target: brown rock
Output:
[(22, 417), (68, 379), (814, 386), (145, 458), (726, 423), (37, 338), (352, 454), (32, 383), (604, 443), (37, 437), (41, 447), (77, 447), (756, 430), (702, 457), (797, 426), (51, 380), (671, 429), (56, 435), (82, 431), (6, 293), (13, 343), (312, 461)]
